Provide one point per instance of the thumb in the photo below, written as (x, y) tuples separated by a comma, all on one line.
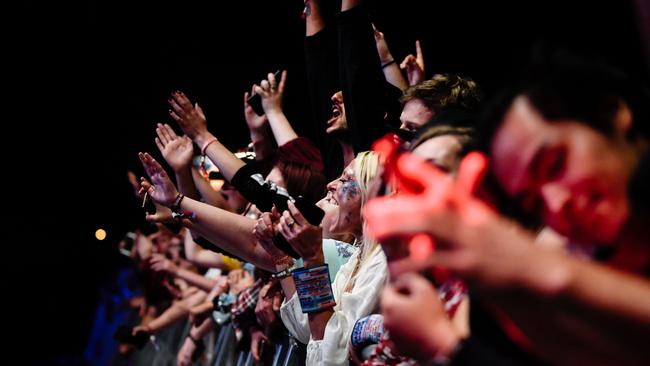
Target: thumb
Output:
[(199, 110), (274, 213)]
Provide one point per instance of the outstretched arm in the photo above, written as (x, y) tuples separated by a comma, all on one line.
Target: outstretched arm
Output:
[(389, 66), (192, 120), (579, 308), (272, 91), (258, 126), (232, 232), (414, 66), (177, 152), (159, 263)]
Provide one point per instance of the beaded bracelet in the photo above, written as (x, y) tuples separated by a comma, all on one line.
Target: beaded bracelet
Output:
[(314, 288)]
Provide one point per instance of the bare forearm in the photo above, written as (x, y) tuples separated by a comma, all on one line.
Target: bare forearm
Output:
[(209, 195), (195, 279), (262, 143), (227, 162), (393, 75), (288, 286), (179, 310), (315, 21), (282, 130), (198, 332), (186, 183), (582, 305), (202, 308), (232, 232), (348, 4)]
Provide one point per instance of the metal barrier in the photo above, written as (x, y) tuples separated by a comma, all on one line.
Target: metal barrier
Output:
[(287, 353)]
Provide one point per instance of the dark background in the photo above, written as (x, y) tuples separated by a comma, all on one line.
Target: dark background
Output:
[(88, 80)]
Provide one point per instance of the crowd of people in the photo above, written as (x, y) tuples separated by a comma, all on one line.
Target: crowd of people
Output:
[(424, 223)]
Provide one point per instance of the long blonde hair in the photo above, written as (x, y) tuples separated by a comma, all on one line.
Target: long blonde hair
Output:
[(366, 167)]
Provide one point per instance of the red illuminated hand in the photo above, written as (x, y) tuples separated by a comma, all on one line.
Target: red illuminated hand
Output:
[(189, 117), (414, 315), (271, 91), (176, 150), (161, 189), (472, 239), (254, 122), (305, 238), (414, 66)]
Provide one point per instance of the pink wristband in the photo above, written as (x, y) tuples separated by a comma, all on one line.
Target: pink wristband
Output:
[(205, 146)]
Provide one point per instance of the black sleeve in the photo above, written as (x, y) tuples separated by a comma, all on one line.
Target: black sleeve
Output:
[(321, 60), (249, 182), (362, 79)]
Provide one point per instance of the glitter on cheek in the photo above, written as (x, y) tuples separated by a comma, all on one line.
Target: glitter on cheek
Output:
[(349, 189)]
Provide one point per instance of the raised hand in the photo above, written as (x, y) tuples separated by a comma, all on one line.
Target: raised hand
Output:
[(176, 150), (254, 122), (475, 241), (415, 317), (190, 117), (414, 66), (271, 92), (305, 238), (159, 263), (161, 189), (382, 47), (162, 215)]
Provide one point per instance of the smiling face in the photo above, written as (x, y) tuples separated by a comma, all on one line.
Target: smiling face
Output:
[(337, 121), (575, 176), (342, 205)]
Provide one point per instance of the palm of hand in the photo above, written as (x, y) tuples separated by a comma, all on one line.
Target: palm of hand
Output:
[(161, 189), (253, 120), (178, 153)]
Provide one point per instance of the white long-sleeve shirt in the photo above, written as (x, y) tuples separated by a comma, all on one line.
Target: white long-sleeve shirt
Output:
[(350, 307)]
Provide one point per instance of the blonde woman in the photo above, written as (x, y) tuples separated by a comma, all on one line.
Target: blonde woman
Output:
[(356, 287)]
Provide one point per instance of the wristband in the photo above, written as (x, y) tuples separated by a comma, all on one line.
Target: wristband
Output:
[(314, 288), (196, 342), (282, 274), (202, 163), (184, 215), (205, 146), (388, 63), (177, 202)]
